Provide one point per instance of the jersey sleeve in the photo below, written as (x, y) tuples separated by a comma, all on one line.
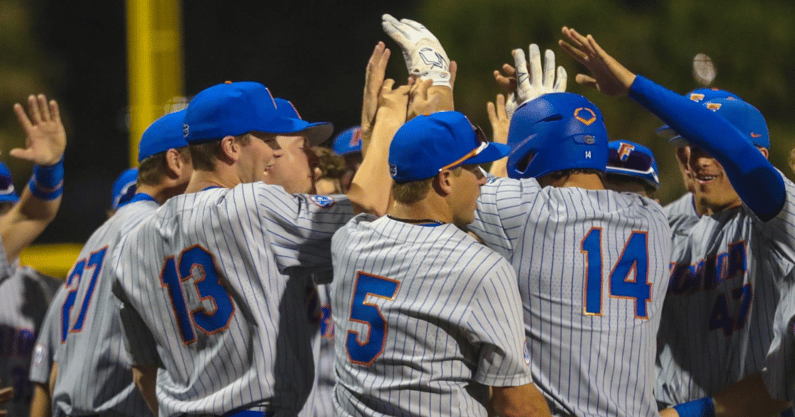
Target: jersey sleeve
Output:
[(47, 340), (138, 339), (495, 324), (300, 226), (778, 372), (6, 269), (780, 230), (501, 212), (720, 139)]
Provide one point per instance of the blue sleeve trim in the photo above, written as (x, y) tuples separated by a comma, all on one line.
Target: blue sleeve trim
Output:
[(754, 178)]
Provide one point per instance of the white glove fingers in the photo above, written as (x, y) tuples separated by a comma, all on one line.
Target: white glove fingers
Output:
[(520, 62), (549, 70), (535, 67), (414, 25), (560, 81)]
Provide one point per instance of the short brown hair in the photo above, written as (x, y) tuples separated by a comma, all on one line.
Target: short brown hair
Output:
[(331, 165), (153, 169), (205, 154), (414, 191)]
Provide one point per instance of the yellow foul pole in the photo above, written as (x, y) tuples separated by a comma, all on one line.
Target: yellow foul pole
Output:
[(154, 61)]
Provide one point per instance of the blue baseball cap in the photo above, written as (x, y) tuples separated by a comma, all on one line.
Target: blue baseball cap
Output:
[(163, 134), (124, 188), (285, 108), (743, 116), (349, 141), (232, 109), (7, 192), (633, 160), (427, 145), (699, 95)]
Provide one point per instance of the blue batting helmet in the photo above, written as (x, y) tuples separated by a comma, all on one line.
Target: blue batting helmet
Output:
[(555, 132), (633, 160)]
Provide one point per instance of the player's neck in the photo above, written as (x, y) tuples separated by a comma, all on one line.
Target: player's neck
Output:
[(424, 209), (579, 180), (201, 180)]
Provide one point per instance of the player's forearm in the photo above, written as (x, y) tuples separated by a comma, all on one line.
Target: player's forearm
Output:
[(747, 397), (444, 95), (745, 166), (371, 185), (145, 379), (523, 400), (41, 404)]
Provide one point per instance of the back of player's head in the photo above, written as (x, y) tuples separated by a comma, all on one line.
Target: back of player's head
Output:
[(427, 145), (233, 109), (7, 192), (349, 141), (124, 188), (163, 134), (632, 160), (556, 132)]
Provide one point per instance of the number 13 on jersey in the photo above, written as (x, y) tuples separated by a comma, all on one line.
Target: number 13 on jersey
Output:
[(634, 258)]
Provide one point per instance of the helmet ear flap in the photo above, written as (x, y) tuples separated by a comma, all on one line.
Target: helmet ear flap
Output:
[(520, 157)]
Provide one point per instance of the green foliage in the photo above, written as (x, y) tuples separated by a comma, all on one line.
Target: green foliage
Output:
[(749, 42)]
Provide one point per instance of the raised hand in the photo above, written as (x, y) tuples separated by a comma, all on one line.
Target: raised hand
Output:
[(500, 122), (45, 135), (420, 102), (373, 80), (607, 74), (425, 57), (524, 84)]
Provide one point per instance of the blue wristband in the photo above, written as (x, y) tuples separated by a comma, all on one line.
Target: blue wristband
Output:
[(702, 407), (47, 181)]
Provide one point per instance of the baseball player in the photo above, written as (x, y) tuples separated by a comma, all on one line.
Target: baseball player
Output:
[(24, 291), (219, 323), (348, 144), (98, 380), (728, 304), (421, 310), (592, 263), (123, 190), (631, 167), (22, 295)]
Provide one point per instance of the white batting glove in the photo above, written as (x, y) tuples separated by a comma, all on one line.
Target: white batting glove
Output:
[(425, 57), (538, 82)]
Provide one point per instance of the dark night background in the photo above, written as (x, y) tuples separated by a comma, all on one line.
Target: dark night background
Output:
[(314, 54)]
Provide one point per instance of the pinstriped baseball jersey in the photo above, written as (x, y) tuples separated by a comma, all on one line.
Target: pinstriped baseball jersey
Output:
[(214, 277), (23, 297), (730, 290), (48, 340), (6, 268), (420, 313), (94, 374), (592, 269), (682, 216)]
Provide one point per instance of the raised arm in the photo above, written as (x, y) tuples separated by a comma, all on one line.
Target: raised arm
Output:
[(45, 143), (701, 126)]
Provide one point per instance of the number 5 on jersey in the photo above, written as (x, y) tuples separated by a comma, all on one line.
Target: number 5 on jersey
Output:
[(367, 285), (198, 264), (634, 257)]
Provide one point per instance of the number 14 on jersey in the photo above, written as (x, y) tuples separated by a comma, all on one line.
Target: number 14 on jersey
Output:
[(623, 282)]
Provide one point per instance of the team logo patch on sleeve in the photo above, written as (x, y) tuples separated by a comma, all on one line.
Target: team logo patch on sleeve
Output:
[(526, 354), (38, 354), (323, 201)]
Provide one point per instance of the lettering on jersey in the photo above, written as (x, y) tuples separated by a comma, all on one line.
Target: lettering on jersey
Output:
[(707, 274), (364, 347), (15, 342), (585, 115), (322, 201), (624, 150)]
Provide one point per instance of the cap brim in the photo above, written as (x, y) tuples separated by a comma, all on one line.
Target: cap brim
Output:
[(316, 133), (493, 152), (8, 198)]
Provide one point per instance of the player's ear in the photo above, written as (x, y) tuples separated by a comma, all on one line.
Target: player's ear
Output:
[(443, 183), (174, 162), (764, 151), (230, 149)]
